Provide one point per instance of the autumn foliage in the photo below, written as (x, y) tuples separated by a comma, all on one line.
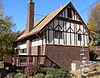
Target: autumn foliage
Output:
[(94, 21)]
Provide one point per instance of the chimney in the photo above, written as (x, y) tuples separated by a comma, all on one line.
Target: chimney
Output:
[(29, 27), (30, 17)]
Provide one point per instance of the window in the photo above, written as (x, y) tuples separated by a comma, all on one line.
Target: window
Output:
[(79, 37), (22, 50), (58, 34), (69, 13), (23, 59)]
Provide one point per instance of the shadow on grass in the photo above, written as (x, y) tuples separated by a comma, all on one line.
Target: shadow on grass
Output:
[(3, 72), (8, 68)]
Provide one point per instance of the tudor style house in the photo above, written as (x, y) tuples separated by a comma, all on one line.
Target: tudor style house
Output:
[(59, 36)]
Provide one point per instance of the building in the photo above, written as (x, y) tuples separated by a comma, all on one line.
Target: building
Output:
[(59, 36)]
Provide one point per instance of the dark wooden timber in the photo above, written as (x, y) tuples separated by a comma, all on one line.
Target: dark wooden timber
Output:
[(69, 20), (19, 62)]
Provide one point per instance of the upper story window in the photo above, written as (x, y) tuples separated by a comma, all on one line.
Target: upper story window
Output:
[(58, 34), (69, 12), (23, 50), (79, 37)]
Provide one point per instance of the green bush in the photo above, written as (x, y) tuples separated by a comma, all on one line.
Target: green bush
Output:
[(57, 73), (50, 70), (0, 75), (65, 73), (17, 75), (39, 75), (61, 74), (23, 76), (49, 76), (11, 75), (64, 70), (20, 75)]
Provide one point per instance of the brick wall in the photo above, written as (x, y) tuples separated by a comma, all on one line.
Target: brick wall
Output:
[(64, 55), (34, 50)]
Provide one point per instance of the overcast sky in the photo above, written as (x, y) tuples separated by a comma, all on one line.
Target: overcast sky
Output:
[(18, 9)]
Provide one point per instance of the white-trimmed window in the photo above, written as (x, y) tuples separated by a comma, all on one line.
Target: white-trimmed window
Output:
[(23, 50)]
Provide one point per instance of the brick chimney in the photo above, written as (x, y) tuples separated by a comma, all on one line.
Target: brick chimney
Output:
[(29, 27), (30, 17)]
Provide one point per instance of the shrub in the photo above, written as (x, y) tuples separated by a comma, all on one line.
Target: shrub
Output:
[(31, 70), (17, 75), (50, 70), (61, 74), (23, 76), (0, 75), (57, 73), (39, 75), (49, 76), (65, 72), (93, 56), (20, 75), (11, 75)]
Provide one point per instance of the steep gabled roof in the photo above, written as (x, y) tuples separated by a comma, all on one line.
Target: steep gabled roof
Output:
[(40, 24)]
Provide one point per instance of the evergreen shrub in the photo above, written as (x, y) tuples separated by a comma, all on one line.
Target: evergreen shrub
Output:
[(40, 75)]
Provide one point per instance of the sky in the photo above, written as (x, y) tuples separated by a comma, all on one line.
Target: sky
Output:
[(18, 9)]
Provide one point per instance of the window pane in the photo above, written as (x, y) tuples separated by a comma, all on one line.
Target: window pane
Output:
[(60, 35), (55, 34), (69, 13), (22, 50), (79, 37)]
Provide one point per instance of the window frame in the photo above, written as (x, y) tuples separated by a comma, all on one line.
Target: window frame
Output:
[(58, 34), (79, 37), (23, 50), (69, 12)]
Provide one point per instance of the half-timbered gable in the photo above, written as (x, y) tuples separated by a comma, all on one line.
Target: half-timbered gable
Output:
[(67, 29)]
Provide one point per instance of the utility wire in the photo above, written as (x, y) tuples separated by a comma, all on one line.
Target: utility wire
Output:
[(82, 11), (39, 15)]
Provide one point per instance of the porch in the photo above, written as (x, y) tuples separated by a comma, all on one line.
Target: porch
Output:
[(40, 60)]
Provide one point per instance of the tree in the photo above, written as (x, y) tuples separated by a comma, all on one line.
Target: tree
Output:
[(93, 56), (94, 22), (7, 35)]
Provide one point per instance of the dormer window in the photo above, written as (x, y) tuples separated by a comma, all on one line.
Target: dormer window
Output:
[(69, 12)]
